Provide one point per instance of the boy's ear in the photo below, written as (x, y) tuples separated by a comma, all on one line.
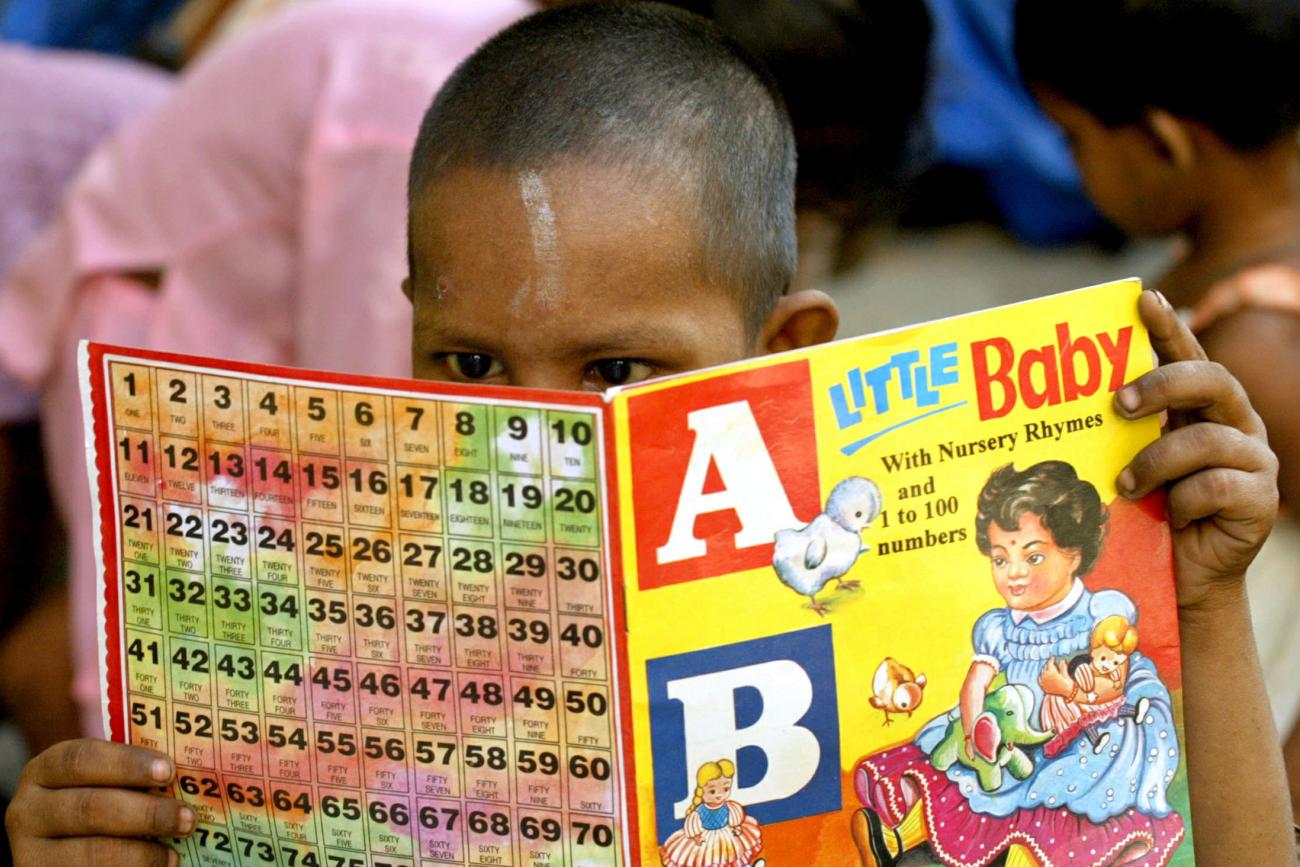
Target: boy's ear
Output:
[(1174, 137), (803, 318)]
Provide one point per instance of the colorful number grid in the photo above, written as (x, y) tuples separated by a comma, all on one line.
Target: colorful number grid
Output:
[(370, 626)]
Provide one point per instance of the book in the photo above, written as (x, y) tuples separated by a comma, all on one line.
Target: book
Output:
[(724, 618)]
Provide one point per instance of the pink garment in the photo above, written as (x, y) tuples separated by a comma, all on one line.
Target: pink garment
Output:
[(270, 194), (55, 108)]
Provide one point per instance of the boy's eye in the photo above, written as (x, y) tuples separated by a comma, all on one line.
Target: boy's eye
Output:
[(999, 562), (617, 371), (1035, 559), (473, 365)]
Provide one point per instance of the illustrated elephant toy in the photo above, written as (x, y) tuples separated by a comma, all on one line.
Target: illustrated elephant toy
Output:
[(997, 736)]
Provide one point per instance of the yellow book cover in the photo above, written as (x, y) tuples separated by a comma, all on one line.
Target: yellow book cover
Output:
[(875, 602)]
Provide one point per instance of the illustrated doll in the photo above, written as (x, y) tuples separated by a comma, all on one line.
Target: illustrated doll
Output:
[(1099, 676), (717, 832)]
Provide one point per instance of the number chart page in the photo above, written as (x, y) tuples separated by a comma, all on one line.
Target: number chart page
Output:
[(370, 621)]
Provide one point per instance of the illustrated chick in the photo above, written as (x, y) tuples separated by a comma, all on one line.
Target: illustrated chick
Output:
[(896, 689), (808, 558)]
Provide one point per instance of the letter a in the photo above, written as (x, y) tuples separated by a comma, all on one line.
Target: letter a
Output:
[(728, 437)]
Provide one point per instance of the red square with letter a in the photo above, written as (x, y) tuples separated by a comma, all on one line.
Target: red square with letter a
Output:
[(718, 466)]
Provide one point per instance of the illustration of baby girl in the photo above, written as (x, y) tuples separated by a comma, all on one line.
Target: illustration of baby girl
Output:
[(1097, 694), (717, 832)]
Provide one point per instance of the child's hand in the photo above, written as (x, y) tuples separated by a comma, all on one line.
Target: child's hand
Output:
[(82, 802), (1213, 454)]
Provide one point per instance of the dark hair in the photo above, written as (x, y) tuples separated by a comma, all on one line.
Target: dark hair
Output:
[(854, 76), (1069, 508), (656, 90), (1233, 65)]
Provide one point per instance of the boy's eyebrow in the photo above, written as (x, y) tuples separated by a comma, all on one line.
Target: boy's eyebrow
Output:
[(1032, 542), (639, 337)]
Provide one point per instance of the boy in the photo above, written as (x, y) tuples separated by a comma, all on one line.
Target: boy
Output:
[(1189, 125), (604, 193)]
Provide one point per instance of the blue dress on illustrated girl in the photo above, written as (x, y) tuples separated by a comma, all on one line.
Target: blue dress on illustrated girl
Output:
[(1118, 796)]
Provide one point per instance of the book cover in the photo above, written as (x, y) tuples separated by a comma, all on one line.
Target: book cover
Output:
[(820, 607)]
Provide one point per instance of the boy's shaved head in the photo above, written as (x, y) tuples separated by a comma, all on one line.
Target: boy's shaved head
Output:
[(652, 92)]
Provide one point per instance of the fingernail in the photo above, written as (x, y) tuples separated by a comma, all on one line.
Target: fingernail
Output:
[(186, 821), (1164, 302), (1128, 398), (1126, 482), (161, 770)]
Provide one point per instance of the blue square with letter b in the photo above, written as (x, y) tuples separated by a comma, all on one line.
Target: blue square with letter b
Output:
[(767, 705)]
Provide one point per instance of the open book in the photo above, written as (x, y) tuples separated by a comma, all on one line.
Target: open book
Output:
[(723, 618)]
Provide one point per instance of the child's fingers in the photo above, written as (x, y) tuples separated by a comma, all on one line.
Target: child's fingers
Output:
[(88, 762), (98, 812), (1230, 494), (111, 852), (1189, 450), (1204, 387), (1170, 337)]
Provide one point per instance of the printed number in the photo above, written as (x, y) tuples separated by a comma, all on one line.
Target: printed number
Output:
[(541, 696), (379, 748), (416, 413), (135, 582), (188, 456), (594, 703), (489, 693), (222, 400), (186, 526), (324, 545), (579, 432), (384, 813), (195, 660), (485, 625), (138, 650), (439, 817), (590, 635), (465, 424), (281, 470), (328, 476), (191, 592), (334, 807), (345, 745), (199, 724), (533, 565), (388, 684), (316, 408), (364, 414), (282, 737), (141, 448), (264, 850), (239, 598), (376, 481), (337, 679), (476, 756), (420, 555), (601, 835), (418, 620), (367, 616), (472, 560), (129, 379), (478, 491), (234, 464), (178, 391), (242, 667), (421, 688), (273, 604), (569, 500), (378, 550), (537, 631), (240, 794), (409, 483), (205, 786), (143, 716), (480, 823), (585, 569), (427, 752), (531, 828), (534, 762), (246, 731), (518, 427), (336, 611), (597, 768), (229, 532), (530, 495), (137, 518), (285, 802), (277, 673), (268, 403), (269, 540)]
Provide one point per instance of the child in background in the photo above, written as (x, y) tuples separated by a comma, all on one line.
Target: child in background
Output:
[(258, 214), (603, 193), (1183, 116)]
